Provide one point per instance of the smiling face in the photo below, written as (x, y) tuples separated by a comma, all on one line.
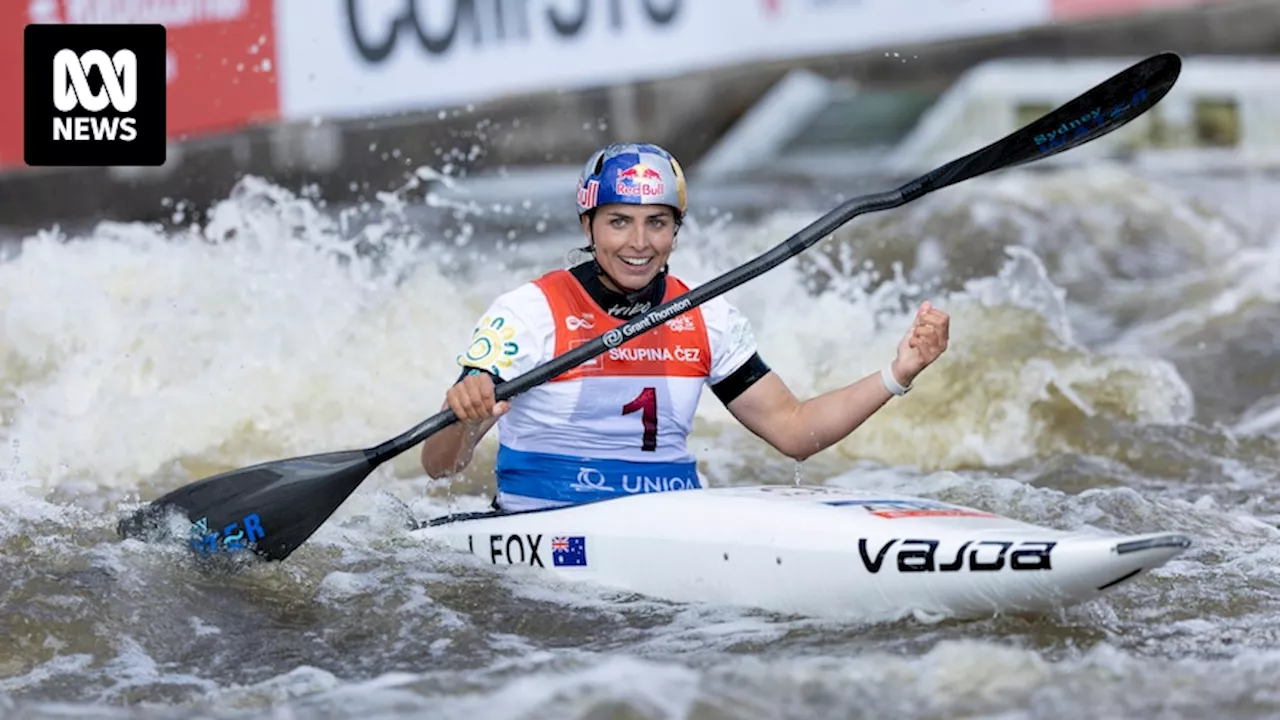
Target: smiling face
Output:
[(632, 242)]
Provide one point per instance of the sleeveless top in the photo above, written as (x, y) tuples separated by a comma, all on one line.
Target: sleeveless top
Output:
[(617, 424)]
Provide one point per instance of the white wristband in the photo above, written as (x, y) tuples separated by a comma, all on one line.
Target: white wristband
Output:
[(891, 383)]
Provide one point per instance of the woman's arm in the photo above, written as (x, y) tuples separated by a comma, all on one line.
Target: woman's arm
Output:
[(800, 429), (472, 400)]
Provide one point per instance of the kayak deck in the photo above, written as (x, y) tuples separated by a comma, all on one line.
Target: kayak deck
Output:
[(811, 550)]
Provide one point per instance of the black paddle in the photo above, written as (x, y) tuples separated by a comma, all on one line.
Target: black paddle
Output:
[(272, 508)]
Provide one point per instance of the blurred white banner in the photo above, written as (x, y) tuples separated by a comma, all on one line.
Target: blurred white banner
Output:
[(344, 58)]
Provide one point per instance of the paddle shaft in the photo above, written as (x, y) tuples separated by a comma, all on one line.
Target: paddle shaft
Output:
[(1102, 109)]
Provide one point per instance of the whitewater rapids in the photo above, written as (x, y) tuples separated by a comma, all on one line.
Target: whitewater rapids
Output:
[(1111, 366)]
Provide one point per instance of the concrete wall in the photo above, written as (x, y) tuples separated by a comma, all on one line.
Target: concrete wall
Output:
[(352, 161)]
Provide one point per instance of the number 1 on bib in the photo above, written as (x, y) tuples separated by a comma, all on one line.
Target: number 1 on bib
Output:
[(647, 403)]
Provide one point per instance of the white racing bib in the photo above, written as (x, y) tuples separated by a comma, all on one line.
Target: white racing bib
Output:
[(617, 424)]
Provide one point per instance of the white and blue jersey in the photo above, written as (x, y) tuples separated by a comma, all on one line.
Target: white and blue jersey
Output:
[(617, 424)]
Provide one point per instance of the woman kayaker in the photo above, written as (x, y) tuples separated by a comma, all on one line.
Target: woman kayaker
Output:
[(619, 423)]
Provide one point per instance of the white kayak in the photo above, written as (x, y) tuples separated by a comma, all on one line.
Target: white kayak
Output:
[(813, 551)]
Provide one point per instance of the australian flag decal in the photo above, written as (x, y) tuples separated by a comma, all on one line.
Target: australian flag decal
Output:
[(569, 551)]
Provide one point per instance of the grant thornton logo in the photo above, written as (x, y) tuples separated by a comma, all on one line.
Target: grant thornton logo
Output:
[(94, 95)]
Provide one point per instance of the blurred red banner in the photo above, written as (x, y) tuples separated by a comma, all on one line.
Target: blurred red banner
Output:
[(1084, 9)]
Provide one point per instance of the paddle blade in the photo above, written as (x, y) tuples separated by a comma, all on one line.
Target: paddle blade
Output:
[(1104, 108), (269, 509)]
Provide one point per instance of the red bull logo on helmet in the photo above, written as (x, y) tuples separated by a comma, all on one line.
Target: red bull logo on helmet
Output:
[(588, 195), (640, 180)]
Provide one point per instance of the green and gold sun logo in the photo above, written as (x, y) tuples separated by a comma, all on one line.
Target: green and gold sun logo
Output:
[(492, 346)]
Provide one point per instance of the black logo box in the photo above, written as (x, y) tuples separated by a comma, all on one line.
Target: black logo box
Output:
[(41, 43)]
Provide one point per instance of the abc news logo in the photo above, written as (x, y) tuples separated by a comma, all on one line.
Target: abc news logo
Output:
[(71, 90), (94, 95)]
